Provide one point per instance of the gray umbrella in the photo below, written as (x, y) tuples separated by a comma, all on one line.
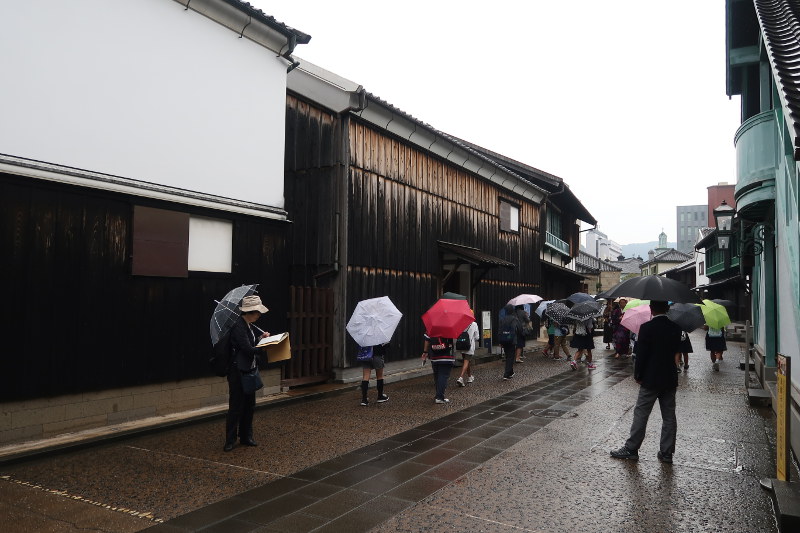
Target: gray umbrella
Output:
[(688, 316), (227, 311), (557, 311), (579, 297)]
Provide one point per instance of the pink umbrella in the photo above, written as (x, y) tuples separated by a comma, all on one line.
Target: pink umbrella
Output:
[(523, 299), (447, 318), (635, 317)]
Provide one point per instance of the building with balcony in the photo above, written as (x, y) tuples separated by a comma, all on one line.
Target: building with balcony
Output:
[(762, 47)]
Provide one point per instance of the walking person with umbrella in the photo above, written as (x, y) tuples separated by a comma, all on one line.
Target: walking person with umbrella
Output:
[(583, 314), (241, 402), (509, 330), (621, 336), (444, 321), (717, 318), (372, 325)]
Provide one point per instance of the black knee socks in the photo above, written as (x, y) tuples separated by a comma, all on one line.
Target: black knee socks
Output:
[(364, 387), (380, 387)]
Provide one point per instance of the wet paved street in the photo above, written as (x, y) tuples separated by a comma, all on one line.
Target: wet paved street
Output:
[(530, 454)]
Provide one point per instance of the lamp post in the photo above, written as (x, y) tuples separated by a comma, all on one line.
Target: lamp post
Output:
[(723, 220)]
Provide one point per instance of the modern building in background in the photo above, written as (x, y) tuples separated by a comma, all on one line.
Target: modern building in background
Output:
[(716, 194), (600, 246), (690, 218)]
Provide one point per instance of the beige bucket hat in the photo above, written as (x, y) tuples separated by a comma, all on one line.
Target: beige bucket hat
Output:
[(252, 303)]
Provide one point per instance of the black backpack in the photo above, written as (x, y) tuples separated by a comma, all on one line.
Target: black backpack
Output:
[(220, 360), (507, 334), (463, 341)]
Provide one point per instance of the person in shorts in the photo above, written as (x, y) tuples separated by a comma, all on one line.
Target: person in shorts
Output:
[(466, 356), (376, 363)]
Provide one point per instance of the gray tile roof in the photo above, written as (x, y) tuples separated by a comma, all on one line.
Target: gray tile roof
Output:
[(669, 256), (246, 8), (628, 266), (780, 27)]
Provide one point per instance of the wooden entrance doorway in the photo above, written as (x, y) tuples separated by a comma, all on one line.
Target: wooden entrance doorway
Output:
[(311, 335)]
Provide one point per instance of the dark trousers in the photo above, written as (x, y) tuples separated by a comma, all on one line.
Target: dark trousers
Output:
[(240, 409), (644, 405), (509, 349), (441, 373)]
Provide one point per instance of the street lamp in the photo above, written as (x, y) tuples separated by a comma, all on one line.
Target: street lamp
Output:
[(723, 219)]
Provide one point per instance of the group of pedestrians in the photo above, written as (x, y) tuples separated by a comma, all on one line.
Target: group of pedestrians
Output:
[(661, 349)]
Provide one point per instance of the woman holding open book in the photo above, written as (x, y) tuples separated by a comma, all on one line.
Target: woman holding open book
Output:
[(241, 402)]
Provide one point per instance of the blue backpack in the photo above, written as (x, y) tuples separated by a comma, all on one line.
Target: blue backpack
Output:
[(364, 353)]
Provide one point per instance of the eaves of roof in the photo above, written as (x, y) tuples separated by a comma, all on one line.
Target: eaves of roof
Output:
[(706, 239), (780, 27), (288, 31), (685, 266), (252, 24), (474, 256)]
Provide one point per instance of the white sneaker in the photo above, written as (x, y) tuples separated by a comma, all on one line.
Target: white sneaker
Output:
[(437, 400), (460, 382), (716, 366), (470, 379)]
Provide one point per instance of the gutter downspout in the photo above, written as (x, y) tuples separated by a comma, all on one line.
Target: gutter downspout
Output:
[(357, 104)]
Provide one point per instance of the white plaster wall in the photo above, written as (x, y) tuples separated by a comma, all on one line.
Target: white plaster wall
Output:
[(145, 90)]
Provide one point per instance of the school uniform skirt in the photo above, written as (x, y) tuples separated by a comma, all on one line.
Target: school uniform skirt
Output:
[(582, 342), (716, 344)]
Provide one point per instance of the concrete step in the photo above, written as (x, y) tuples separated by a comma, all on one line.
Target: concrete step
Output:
[(759, 397), (786, 496)]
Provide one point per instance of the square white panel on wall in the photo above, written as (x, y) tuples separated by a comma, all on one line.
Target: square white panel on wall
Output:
[(210, 244)]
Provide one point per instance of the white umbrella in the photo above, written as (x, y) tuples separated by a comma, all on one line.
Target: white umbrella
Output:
[(374, 321), (542, 306), (523, 299)]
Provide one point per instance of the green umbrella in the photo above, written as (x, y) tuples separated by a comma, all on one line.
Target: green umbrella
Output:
[(636, 303), (716, 315)]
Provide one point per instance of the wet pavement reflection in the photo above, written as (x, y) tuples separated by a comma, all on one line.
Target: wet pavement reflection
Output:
[(529, 454)]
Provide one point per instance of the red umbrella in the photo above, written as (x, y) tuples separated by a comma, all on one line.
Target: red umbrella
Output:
[(447, 318)]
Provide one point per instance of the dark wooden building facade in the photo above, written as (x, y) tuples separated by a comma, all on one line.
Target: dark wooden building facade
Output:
[(383, 204), (79, 319)]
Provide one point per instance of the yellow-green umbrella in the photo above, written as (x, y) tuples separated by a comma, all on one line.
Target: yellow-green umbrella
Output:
[(636, 303), (716, 315)]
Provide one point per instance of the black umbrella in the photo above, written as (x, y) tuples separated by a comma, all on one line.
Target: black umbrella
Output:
[(579, 297), (585, 310), (688, 316), (453, 296), (557, 311), (652, 288)]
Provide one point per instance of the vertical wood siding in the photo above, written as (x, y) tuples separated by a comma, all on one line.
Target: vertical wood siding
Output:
[(402, 201), (76, 320)]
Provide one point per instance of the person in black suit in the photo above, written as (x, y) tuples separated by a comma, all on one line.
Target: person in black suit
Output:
[(241, 405), (657, 347)]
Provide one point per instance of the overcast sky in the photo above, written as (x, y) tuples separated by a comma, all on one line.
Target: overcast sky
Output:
[(623, 99)]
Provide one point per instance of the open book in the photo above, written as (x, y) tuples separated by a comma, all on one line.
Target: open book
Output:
[(274, 339)]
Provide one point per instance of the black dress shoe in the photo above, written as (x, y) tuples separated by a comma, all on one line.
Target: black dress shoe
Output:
[(249, 442), (229, 446), (665, 457)]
